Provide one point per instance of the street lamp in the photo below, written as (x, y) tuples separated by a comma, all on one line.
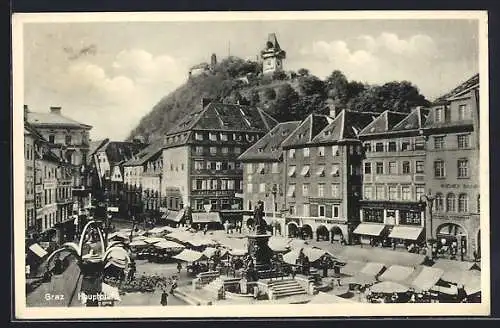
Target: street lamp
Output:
[(274, 191), (429, 200)]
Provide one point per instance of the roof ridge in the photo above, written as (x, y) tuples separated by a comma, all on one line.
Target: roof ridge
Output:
[(295, 130)]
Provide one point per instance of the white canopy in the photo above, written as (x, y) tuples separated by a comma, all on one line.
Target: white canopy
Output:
[(188, 255), (168, 244), (427, 278), (153, 240), (157, 230), (397, 273), (38, 250), (138, 243), (238, 252), (388, 287)]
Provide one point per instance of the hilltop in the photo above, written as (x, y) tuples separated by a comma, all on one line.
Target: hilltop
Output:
[(285, 95)]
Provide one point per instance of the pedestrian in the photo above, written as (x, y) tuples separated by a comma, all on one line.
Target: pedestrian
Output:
[(179, 267), (205, 229), (164, 297)]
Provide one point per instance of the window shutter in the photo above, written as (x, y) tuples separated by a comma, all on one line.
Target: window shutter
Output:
[(328, 212), (313, 208)]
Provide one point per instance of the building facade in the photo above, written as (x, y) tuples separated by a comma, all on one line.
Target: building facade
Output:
[(453, 159), (394, 171), (263, 173), (199, 156)]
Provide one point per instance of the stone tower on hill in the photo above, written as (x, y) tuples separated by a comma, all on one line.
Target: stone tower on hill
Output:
[(272, 56)]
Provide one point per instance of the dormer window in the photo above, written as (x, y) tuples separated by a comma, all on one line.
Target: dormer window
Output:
[(321, 151), (223, 137), (213, 137), (306, 152), (250, 137), (261, 150), (198, 136)]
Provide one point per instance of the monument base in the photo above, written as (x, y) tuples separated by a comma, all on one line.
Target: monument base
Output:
[(259, 250)]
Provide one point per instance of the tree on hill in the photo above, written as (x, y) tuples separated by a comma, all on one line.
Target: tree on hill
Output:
[(337, 87), (269, 94), (284, 109), (303, 72)]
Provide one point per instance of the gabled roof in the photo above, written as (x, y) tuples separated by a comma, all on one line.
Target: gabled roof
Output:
[(118, 151), (346, 125), (29, 129), (269, 146), (95, 146), (471, 83), (383, 123), (225, 117), (413, 121), (307, 130), (54, 119), (145, 154)]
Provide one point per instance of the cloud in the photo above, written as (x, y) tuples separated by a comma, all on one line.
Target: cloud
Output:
[(381, 58)]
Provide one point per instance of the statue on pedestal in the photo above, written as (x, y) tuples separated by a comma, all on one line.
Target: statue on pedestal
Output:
[(258, 217)]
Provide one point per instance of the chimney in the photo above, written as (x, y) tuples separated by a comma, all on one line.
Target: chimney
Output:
[(205, 102), (26, 111), (55, 110), (333, 110)]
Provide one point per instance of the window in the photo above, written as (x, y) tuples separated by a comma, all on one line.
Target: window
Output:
[(373, 215), (463, 168), (305, 171), (463, 141), (335, 170), (393, 169), (439, 142), (321, 210), (358, 150), (51, 138), (368, 168), (321, 151), (291, 153), (321, 190), (236, 137), (379, 168), (306, 152), (335, 190), (420, 143), (379, 147), (406, 192), (198, 136), (237, 150), (335, 210), (230, 165), (463, 203), (438, 115), (275, 168), (182, 166), (305, 189), (215, 184), (463, 112), (67, 139), (291, 170), (230, 184), (351, 150), (405, 145), (213, 137), (262, 187), (393, 146), (225, 150), (249, 168), (321, 171), (419, 166), (393, 193), (199, 150), (249, 187), (292, 209), (367, 192), (171, 166), (213, 150), (367, 146), (419, 192), (223, 137), (262, 168), (335, 151), (439, 169), (218, 166), (451, 203), (291, 191), (406, 167)]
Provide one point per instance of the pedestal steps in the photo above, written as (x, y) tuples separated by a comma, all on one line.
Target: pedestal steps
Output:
[(285, 288)]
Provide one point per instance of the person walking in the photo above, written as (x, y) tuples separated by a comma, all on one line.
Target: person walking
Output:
[(164, 297), (179, 267)]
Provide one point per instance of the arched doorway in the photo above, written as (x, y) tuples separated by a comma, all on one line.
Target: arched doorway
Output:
[(337, 233), (292, 230), (451, 238), (307, 231), (322, 233)]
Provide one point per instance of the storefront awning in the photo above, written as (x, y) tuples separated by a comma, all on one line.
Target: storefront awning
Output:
[(305, 170), (407, 233), (369, 229), (175, 216), (168, 244), (204, 217), (38, 250), (427, 278), (291, 171), (396, 273)]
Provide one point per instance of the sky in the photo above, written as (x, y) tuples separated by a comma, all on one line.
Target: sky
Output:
[(110, 75)]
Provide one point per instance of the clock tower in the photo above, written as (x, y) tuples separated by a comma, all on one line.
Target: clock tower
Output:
[(272, 56)]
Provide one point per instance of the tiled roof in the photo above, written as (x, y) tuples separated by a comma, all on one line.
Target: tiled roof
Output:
[(269, 146), (413, 121), (53, 119), (383, 123), (118, 151), (473, 82), (225, 117), (346, 125), (145, 154), (307, 130)]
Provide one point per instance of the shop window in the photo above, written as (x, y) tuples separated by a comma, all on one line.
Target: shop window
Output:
[(410, 218), (379, 168), (373, 215)]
